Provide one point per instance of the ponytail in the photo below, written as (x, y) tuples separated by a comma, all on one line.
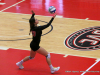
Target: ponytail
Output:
[(31, 27), (31, 21)]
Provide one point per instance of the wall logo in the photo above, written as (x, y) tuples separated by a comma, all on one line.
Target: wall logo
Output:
[(85, 39)]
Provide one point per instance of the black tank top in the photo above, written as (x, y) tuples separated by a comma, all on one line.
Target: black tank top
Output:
[(37, 31)]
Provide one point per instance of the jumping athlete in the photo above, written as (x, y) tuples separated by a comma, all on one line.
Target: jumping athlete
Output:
[(34, 45)]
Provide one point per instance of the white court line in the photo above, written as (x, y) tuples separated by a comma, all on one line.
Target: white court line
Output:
[(87, 19), (74, 55), (2, 3), (65, 55), (90, 67), (12, 5), (81, 19), (58, 16), (51, 16), (4, 48)]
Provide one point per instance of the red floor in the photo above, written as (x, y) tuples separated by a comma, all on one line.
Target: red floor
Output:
[(96, 70), (70, 65), (80, 9)]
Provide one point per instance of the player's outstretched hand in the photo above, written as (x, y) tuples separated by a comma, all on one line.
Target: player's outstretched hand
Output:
[(54, 15), (33, 12)]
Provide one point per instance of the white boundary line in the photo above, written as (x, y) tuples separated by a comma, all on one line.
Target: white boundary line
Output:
[(51, 16), (2, 3), (4, 48), (90, 67), (87, 19), (12, 5), (65, 55)]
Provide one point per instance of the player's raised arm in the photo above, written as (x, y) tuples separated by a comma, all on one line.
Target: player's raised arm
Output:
[(54, 15), (47, 25), (33, 13)]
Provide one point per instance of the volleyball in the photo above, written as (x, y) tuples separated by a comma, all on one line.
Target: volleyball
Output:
[(52, 9)]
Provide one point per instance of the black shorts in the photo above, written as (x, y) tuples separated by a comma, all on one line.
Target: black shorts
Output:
[(34, 46)]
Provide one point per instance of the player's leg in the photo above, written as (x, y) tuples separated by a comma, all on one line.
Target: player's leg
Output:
[(32, 55), (44, 53), (47, 55)]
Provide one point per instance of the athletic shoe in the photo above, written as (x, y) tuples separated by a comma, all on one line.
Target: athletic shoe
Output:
[(19, 65), (55, 69)]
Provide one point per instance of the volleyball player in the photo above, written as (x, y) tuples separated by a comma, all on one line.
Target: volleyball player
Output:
[(34, 45)]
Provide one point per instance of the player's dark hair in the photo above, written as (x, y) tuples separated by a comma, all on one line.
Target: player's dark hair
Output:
[(31, 21)]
